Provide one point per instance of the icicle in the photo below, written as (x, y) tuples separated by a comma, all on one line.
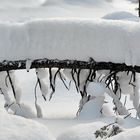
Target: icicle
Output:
[(82, 102), (51, 75), (28, 64), (73, 72), (61, 76), (14, 85), (44, 89), (39, 110), (18, 94)]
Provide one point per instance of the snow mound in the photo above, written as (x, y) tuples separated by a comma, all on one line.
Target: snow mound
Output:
[(81, 132), (18, 128), (91, 110), (122, 15), (86, 131)]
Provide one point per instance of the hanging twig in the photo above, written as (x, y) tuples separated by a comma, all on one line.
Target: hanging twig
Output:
[(78, 77), (63, 80), (12, 86), (51, 83), (35, 92), (73, 71), (54, 79), (127, 116), (125, 100)]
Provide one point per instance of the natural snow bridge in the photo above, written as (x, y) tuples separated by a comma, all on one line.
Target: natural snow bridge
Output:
[(75, 44)]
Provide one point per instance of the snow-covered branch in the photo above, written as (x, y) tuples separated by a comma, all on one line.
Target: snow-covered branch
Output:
[(67, 64)]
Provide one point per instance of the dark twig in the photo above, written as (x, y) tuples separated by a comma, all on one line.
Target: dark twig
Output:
[(12, 86)]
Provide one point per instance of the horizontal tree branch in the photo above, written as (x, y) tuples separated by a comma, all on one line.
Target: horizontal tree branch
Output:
[(67, 64)]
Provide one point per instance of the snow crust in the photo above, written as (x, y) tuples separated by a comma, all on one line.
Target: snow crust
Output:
[(101, 39)]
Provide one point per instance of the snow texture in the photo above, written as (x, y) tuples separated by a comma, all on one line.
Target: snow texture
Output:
[(121, 15), (96, 89), (18, 128), (43, 37), (86, 131), (92, 109)]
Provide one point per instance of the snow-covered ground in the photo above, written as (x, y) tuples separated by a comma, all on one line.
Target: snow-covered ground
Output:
[(59, 114), (15, 10)]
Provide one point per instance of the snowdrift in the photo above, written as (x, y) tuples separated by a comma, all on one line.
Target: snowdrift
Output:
[(18, 128), (103, 40)]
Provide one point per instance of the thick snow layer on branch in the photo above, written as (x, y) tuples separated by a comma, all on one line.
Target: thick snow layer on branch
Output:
[(116, 41)]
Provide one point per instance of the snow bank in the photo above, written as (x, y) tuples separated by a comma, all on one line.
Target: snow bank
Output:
[(115, 41), (17, 128)]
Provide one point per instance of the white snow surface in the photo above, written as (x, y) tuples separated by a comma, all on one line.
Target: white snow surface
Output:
[(96, 89), (91, 110), (29, 26), (18, 128), (102, 40), (122, 15), (86, 131)]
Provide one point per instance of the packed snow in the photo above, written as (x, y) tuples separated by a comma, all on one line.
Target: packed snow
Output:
[(86, 131), (43, 37), (18, 128), (66, 29)]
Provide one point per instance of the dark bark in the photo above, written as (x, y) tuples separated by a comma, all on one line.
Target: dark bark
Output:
[(67, 64)]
